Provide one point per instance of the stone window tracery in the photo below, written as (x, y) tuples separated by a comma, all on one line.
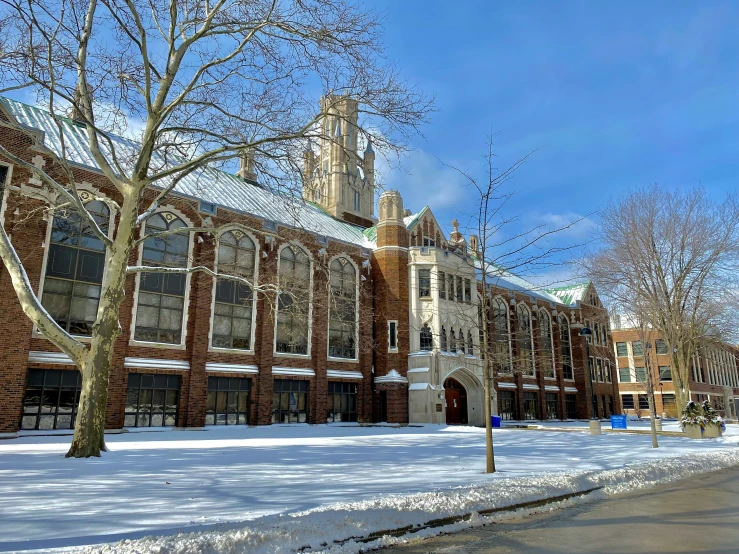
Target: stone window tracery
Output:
[(342, 329), (74, 269), (232, 312), (293, 310), (161, 300), (525, 350)]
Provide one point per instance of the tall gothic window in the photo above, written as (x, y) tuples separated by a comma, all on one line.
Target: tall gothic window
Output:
[(294, 304), (162, 295), (545, 331), (564, 347), (232, 313), (470, 344), (452, 340), (427, 341), (342, 330), (74, 269), (523, 339), (443, 339), (501, 342), (461, 343)]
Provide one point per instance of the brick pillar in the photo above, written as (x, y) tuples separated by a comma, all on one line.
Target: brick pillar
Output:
[(15, 340), (391, 303), (201, 299), (264, 339), (318, 397)]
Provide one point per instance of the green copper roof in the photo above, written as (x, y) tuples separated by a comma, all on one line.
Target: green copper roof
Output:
[(571, 294)]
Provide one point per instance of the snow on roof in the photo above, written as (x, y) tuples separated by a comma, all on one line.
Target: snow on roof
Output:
[(501, 278), (571, 294), (208, 184)]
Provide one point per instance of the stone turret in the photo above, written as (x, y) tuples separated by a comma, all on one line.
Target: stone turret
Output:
[(338, 179)]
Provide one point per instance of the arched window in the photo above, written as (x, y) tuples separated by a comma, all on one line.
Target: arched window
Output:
[(232, 313), (443, 339), (74, 269), (342, 327), (452, 341), (293, 309), (470, 344), (461, 346), (501, 343), (161, 301), (523, 339), (545, 332), (427, 341), (564, 347)]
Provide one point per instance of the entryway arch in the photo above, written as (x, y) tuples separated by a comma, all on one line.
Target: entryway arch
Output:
[(462, 386)]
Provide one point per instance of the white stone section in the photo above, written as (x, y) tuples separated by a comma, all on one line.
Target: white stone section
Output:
[(338, 374), (154, 363), (38, 357), (299, 371), (392, 377), (231, 368)]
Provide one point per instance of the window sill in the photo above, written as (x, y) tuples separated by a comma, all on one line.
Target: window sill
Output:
[(550, 378), (162, 345), (288, 355), (346, 360), (216, 349), (84, 339), (392, 350)]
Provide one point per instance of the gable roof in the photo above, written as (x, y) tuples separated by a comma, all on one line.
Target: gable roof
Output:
[(571, 294), (208, 183)]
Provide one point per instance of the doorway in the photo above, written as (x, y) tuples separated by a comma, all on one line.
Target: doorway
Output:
[(456, 402)]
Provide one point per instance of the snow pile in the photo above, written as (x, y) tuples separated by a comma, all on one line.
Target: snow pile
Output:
[(321, 528)]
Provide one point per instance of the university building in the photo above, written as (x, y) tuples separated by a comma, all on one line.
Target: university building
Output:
[(714, 375), (352, 316)]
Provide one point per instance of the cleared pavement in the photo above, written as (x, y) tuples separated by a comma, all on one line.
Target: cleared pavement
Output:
[(700, 514)]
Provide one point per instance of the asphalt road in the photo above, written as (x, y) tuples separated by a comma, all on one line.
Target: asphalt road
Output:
[(700, 514)]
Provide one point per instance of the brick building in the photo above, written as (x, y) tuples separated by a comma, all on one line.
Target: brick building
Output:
[(199, 351), (713, 374)]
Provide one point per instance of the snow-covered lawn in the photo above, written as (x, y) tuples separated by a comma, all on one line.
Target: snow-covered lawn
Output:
[(170, 481)]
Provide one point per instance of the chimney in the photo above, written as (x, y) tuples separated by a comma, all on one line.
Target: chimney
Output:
[(75, 111), (247, 169)]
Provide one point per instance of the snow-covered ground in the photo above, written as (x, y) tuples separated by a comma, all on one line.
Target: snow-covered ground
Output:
[(296, 479)]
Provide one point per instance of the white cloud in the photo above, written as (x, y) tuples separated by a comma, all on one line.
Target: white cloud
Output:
[(422, 180), (572, 224)]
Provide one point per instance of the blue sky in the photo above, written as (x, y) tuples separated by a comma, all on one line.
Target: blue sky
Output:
[(614, 95)]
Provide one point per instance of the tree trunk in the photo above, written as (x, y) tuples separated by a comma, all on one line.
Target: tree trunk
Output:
[(489, 455), (652, 419), (89, 430)]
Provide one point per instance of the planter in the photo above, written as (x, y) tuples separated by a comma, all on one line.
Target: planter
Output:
[(712, 431), (595, 427), (693, 431)]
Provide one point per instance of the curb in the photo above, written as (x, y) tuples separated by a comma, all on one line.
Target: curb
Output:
[(400, 531)]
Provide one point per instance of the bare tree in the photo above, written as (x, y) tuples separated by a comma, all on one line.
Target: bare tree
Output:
[(649, 382), (496, 256), (674, 254), (209, 81)]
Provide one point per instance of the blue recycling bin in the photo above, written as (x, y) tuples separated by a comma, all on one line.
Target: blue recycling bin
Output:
[(495, 420)]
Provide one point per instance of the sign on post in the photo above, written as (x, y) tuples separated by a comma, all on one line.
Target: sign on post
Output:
[(618, 422)]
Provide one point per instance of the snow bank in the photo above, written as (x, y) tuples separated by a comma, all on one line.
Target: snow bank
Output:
[(320, 528)]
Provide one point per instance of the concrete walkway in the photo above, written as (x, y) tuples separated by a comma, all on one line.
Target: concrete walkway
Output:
[(700, 514)]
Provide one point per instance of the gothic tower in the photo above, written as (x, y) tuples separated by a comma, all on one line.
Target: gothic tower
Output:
[(391, 315), (337, 178)]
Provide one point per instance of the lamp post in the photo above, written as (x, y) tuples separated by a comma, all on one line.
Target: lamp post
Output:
[(586, 332)]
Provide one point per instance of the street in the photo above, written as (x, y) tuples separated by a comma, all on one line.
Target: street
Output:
[(700, 514)]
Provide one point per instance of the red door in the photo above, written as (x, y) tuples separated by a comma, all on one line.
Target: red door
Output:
[(453, 406)]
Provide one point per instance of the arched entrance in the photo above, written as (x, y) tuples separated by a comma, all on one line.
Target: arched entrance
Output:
[(456, 402)]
